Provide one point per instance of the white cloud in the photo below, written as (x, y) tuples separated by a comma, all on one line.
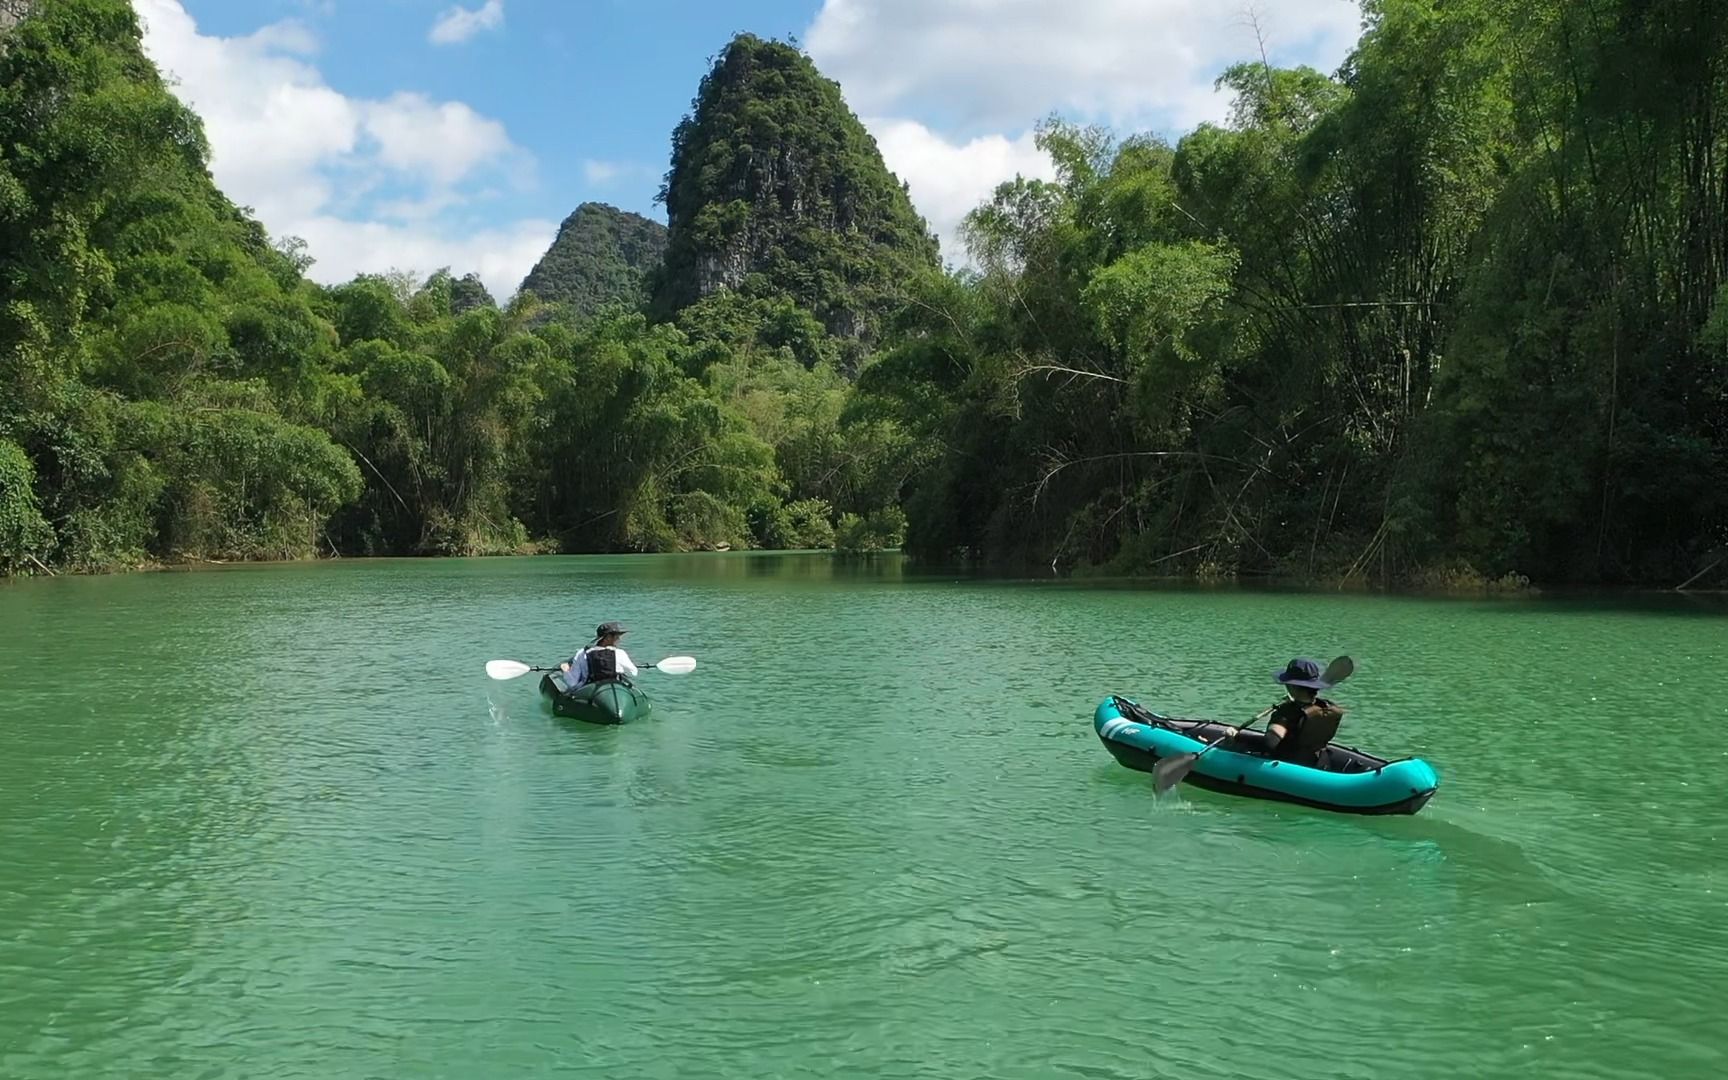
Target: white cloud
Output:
[(604, 173), (443, 140), (501, 256), (948, 179), (458, 24), (950, 82), (369, 184), (991, 65)]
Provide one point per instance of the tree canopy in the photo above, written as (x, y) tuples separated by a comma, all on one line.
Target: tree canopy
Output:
[(1457, 313)]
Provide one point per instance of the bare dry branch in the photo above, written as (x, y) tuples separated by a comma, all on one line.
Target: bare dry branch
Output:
[(1044, 481)]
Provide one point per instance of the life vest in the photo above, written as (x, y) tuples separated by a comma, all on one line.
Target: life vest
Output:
[(1304, 735), (602, 663)]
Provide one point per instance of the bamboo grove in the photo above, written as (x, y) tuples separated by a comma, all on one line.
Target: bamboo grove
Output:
[(1456, 314)]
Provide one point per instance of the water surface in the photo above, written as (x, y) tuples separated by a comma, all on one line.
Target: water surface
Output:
[(274, 821)]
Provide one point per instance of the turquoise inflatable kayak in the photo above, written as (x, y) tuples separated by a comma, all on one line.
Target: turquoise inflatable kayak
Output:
[(1345, 779)]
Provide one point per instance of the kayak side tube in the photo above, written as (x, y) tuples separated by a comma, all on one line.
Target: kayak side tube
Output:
[(609, 701), (1354, 782)]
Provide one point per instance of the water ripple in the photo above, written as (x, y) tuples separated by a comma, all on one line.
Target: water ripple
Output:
[(274, 822)]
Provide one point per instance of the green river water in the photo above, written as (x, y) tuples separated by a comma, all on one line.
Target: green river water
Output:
[(275, 822)]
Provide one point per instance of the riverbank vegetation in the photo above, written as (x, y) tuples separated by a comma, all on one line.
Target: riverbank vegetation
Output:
[(1455, 313)]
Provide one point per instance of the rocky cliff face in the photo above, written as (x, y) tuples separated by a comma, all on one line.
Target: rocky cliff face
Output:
[(776, 188), (12, 13), (602, 256)]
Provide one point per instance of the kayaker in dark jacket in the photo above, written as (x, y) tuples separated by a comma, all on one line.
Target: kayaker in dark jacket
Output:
[(1299, 728), (601, 660)]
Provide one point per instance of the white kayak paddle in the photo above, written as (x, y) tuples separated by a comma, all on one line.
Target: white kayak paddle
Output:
[(507, 669), (515, 669)]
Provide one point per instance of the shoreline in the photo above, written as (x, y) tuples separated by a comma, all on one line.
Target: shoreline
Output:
[(1463, 590)]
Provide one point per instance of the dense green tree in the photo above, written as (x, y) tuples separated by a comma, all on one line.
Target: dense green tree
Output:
[(635, 455), (159, 365), (1457, 312), (1454, 312)]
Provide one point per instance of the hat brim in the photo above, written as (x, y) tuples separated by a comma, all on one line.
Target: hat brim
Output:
[(1312, 684)]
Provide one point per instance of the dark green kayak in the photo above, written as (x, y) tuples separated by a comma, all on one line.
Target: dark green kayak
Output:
[(610, 701)]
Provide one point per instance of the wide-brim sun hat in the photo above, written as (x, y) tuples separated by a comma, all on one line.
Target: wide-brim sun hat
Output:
[(1303, 672), (608, 628)]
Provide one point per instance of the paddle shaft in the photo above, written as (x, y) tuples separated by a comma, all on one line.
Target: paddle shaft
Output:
[(1226, 738), (1223, 739)]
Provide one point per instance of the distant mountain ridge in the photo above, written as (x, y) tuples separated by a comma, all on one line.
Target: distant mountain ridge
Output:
[(601, 257)]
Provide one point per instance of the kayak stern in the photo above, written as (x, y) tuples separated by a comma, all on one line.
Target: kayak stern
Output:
[(609, 701)]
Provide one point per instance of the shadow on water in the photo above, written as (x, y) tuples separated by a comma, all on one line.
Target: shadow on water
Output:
[(1496, 867), (1485, 866), (580, 737), (1592, 603)]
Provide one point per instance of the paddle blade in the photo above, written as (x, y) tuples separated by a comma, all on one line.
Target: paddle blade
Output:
[(506, 669), (1170, 771), (1338, 670), (677, 665)]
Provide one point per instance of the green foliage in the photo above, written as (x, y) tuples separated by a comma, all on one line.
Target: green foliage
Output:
[(156, 353), (369, 309), (636, 455), (24, 535), (1456, 317), (246, 484), (444, 421), (1713, 338), (1456, 314), (879, 531), (601, 258), (804, 523)]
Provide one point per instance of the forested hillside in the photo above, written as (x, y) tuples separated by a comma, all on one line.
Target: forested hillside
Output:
[(165, 382), (601, 258), (1454, 314), (776, 190)]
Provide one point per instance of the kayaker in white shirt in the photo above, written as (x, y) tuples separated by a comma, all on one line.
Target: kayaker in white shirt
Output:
[(601, 660)]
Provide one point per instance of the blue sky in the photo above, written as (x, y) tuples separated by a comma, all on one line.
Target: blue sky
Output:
[(576, 81), (413, 134)]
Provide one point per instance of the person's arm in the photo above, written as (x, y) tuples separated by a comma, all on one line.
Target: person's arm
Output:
[(624, 663), (1230, 733), (1275, 733), (581, 671)]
